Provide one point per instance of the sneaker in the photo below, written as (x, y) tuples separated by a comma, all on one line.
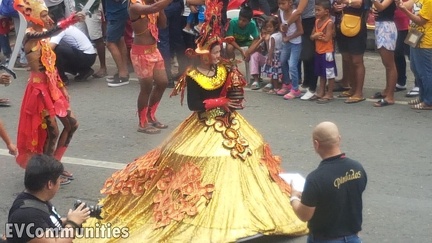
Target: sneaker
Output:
[(267, 88), (189, 31), (117, 82), (292, 94), (400, 88), (84, 76), (307, 95), (284, 90), (110, 79), (413, 92)]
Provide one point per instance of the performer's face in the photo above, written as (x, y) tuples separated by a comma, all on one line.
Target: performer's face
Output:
[(215, 54), (46, 19)]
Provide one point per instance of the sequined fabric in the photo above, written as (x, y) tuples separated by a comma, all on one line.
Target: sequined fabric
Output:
[(193, 190)]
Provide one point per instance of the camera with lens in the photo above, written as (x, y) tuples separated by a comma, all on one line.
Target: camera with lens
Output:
[(95, 210)]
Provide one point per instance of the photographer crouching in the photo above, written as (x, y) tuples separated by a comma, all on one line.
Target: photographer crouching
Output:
[(32, 218)]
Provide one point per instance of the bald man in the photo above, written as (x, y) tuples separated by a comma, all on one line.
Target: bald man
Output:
[(332, 196)]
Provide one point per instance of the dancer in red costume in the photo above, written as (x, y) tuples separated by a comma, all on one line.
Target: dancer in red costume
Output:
[(45, 97), (146, 18)]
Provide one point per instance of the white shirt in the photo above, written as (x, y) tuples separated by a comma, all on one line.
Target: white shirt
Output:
[(291, 28), (75, 38)]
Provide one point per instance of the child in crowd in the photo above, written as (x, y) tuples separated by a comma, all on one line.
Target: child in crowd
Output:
[(4, 37), (195, 9), (244, 31), (325, 65), (291, 50), (272, 67)]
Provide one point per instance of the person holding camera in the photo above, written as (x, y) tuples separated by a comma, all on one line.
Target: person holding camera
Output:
[(32, 216)]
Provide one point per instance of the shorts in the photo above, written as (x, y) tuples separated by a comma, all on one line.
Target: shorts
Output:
[(385, 35), (92, 26), (145, 60), (325, 65), (352, 45), (115, 30)]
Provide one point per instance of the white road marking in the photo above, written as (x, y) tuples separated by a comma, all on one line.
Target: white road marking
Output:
[(85, 162)]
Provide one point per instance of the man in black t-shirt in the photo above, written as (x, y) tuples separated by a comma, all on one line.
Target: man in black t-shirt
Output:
[(332, 196), (32, 215)]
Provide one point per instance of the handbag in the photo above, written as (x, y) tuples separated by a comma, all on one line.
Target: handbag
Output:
[(413, 38), (350, 24)]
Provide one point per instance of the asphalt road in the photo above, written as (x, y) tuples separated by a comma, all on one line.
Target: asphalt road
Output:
[(393, 144)]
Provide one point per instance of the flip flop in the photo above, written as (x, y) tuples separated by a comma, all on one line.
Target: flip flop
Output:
[(323, 100), (255, 86), (100, 75), (345, 94), (67, 175), (5, 102), (421, 106), (378, 95), (352, 100), (315, 97), (340, 88), (149, 129), (64, 180), (159, 125), (382, 103)]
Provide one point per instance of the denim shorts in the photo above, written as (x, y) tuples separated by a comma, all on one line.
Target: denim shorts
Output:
[(115, 30)]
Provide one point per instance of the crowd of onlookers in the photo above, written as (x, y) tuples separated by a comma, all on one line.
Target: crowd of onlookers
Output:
[(294, 47)]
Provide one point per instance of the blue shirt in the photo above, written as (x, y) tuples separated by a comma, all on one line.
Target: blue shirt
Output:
[(116, 10)]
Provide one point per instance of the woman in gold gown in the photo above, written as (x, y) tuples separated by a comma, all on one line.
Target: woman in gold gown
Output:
[(214, 179)]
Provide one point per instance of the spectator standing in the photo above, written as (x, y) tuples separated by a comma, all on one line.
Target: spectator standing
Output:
[(291, 49), (92, 27), (325, 64), (4, 38), (421, 51), (353, 48), (116, 15), (171, 40), (306, 11), (56, 9), (193, 13), (5, 80), (332, 197), (385, 39)]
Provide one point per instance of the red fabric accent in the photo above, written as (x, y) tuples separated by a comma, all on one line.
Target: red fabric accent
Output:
[(143, 116), (67, 22), (58, 154), (152, 111), (214, 103), (36, 105)]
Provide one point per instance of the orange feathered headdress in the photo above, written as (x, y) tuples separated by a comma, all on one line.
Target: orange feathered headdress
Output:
[(31, 9)]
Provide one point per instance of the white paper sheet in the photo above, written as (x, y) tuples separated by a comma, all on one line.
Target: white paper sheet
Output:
[(296, 180)]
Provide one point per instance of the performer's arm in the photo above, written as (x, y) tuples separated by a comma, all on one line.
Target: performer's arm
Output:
[(74, 18), (139, 9)]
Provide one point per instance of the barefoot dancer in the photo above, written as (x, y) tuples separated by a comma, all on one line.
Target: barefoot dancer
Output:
[(148, 63), (45, 97)]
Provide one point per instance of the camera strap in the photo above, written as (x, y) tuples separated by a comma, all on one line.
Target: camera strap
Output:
[(31, 203)]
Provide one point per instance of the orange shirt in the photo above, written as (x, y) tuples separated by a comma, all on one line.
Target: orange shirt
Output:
[(322, 47)]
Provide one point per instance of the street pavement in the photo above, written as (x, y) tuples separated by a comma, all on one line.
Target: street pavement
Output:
[(392, 143)]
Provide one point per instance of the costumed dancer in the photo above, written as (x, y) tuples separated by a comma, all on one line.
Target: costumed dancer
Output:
[(46, 96), (146, 17), (214, 179)]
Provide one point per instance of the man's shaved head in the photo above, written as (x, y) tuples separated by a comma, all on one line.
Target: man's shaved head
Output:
[(327, 134)]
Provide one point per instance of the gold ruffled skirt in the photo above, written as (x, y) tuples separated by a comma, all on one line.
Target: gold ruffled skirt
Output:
[(213, 180)]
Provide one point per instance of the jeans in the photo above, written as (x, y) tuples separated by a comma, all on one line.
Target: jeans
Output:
[(400, 52), (346, 239), (421, 66), (5, 45), (290, 56)]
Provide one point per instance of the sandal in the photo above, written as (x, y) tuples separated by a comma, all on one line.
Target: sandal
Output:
[(352, 100), (378, 95), (421, 106), (100, 75), (159, 125), (382, 103), (4, 102), (64, 181), (272, 91), (345, 94), (323, 100), (413, 92), (149, 129), (68, 175), (315, 97), (414, 102), (255, 85)]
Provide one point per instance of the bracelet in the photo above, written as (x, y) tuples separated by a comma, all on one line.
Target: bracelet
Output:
[(294, 198), (72, 223)]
